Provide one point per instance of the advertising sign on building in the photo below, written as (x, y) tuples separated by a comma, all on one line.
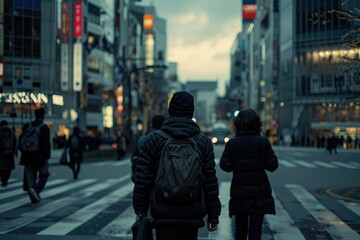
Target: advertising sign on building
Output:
[(148, 21), (77, 63), (249, 10), (64, 77), (77, 19), (65, 18)]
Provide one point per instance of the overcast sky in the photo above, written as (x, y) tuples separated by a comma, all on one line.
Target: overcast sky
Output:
[(200, 36)]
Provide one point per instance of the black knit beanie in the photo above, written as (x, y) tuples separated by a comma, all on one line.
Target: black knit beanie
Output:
[(181, 105)]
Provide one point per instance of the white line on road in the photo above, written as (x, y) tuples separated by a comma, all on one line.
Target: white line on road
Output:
[(324, 164), (84, 214), (334, 226), (224, 230), (286, 163), (345, 165), (282, 224), (46, 209), (304, 164), (352, 206), (121, 225)]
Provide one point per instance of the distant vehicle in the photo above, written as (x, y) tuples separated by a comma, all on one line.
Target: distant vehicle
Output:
[(220, 135)]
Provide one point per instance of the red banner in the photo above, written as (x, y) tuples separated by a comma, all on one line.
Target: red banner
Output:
[(65, 19), (77, 19), (249, 11)]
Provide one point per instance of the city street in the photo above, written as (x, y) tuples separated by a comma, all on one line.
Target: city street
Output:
[(317, 197)]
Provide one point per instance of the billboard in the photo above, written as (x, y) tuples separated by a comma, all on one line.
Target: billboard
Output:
[(65, 19), (77, 71), (249, 10)]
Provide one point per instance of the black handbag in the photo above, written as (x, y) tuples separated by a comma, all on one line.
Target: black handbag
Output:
[(64, 158), (142, 229)]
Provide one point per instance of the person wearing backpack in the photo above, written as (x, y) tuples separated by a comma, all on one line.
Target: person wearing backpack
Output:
[(76, 147), (249, 155), (176, 176), (156, 123), (35, 153), (7, 151)]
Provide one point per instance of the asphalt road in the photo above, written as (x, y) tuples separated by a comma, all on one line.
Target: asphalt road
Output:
[(317, 197)]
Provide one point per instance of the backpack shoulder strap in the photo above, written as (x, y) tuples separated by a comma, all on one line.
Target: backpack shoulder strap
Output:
[(163, 134)]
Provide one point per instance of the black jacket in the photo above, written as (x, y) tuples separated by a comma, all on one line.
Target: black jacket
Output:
[(38, 159), (248, 155), (146, 170)]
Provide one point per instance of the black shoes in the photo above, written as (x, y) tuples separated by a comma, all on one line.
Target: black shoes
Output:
[(34, 196)]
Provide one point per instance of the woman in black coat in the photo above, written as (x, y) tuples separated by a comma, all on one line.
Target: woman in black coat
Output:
[(248, 155)]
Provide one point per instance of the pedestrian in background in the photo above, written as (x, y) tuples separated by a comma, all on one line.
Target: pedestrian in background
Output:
[(35, 150), (179, 220), (156, 123), (76, 147), (248, 155), (7, 152), (121, 145)]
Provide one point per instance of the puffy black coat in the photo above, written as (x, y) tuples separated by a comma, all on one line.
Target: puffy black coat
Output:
[(248, 155), (191, 214), (38, 159)]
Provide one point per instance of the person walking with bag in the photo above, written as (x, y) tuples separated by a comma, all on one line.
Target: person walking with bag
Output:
[(177, 207), (76, 147), (35, 153), (7, 152), (248, 155)]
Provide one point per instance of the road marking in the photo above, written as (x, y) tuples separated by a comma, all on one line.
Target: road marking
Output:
[(305, 164), (333, 225), (46, 209), (352, 206), (121, 225), (286, 163), (217, 161), (345, 165), (11, 184), (324, 164), (47, 193), (224, 230), (355, 164), (282, 224), (84, 214)]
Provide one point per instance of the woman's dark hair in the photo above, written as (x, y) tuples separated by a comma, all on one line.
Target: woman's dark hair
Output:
[(247, 120)]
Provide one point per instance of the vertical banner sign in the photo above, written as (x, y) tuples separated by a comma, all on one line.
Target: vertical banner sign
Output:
[(148, 22), (77, 63), (64, 78), (65, 19), (77, 19)]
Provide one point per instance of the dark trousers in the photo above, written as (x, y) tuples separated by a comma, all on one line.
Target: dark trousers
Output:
[(177, 233), (75, 165), (248, 225), (36, 178), (5, 175)]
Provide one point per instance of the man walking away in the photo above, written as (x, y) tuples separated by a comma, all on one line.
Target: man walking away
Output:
[(7, 150), (156, 123), (76, 149), (178, 208), (35, 153)]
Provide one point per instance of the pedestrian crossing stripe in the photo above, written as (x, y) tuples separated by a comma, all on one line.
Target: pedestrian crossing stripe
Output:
[(282, 226), (333, 225)]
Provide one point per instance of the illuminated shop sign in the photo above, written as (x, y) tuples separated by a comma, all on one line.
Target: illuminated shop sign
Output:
[(148, 22), (249, 9), (77, 19), (77, 71), (25, 98), (65, 19)]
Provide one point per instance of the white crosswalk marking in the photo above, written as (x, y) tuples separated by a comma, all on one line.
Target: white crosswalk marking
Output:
[(47, 193), (121, 225), (79, 217), (12, 184), (344, 165), (355, 164), (353, 206), (44, 210), (286, 163), (224, 230), (335, 226), (324, 164), (304, 164), (282, 224)]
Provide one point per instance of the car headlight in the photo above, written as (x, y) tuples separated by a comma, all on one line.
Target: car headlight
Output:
[(226, 139), (214, 140)]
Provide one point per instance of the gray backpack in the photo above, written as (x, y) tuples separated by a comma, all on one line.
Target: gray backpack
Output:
[(179, 178)]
